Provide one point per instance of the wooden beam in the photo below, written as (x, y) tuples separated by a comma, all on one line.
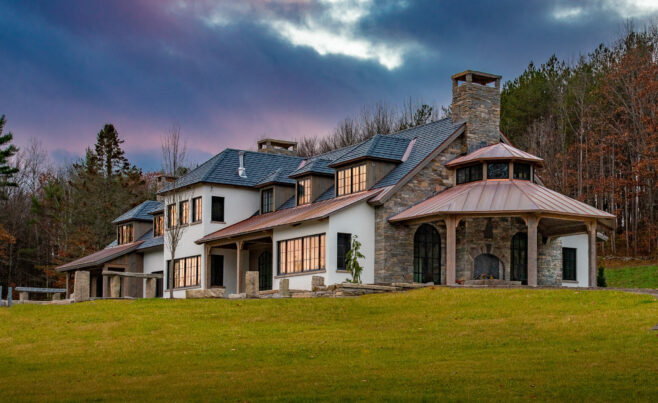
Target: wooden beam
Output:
[(591, 237), (451, 250), (532, 250), (133, 275), (238, 260)]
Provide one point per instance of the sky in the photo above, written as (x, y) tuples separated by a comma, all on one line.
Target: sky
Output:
[(231, 72)]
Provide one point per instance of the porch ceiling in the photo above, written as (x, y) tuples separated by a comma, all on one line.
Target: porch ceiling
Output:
[(505, 197)]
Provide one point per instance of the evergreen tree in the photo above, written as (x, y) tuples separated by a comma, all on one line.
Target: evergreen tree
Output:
[(6, 171)]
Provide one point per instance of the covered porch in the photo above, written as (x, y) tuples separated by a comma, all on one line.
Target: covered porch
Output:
[(505, 230)]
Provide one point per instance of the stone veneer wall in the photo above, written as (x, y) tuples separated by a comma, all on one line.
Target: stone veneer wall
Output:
[(394, 243), (549, 262), (479, 106), (476, 236)]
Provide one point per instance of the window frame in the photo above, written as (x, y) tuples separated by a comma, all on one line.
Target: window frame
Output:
[(184, 212), (197, 210), (184, 281), (213, 276), (472, 173), (267, 206), (158, 225), (293, 257), (501, 164), (574, 261), (343, 246), (172, 216), (125, 234), (352, 179), (303, 191), (517, 165), (214, 217)]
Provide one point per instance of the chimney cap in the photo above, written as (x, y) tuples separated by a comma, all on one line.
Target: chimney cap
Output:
[(477, 77)]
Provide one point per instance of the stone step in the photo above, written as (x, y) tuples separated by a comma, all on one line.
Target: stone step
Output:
[(491, 281)]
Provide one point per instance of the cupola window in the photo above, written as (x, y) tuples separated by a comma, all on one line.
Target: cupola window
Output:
[(521, 171), (469, 174), (498, 170)]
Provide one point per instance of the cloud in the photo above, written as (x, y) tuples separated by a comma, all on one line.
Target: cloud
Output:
[(623, 8)]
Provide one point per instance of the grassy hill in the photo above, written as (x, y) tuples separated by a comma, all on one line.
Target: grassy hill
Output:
[(633, 277), (430, 343)]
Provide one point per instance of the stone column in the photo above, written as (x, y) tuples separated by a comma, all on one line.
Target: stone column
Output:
[(317, 283), (591, 237), (532, 250), (66, 293), (149, 292), (451, 250), (238, 262), (284, 287), (57, 296), (24, 296), (115, 287), (81, 286), (252, 284)]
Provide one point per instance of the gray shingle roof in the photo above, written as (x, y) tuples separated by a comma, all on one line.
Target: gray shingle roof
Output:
[(150, 241), (279, 175), (138, 213), (158, 209), (316, 166), (383, 147), (223, 169)]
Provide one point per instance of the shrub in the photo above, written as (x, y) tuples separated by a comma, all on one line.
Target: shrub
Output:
[(352, 261), (600, 277)]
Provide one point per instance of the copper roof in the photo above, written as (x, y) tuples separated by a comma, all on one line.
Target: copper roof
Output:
[(499, 151), (289, 216), (500, 196), (102, 256)]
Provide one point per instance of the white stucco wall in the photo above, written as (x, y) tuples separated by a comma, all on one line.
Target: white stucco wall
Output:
[(582, 258), (153, 261), (239, 204), (357, 220)]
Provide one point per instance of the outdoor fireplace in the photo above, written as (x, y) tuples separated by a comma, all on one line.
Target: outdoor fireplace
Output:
[(486, 266)]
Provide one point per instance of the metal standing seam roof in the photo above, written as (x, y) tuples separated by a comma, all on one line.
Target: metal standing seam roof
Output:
[(382, 147), (500, 196), (100, 257), (139, 212), (223, 169), (495, 152), (289, 216)]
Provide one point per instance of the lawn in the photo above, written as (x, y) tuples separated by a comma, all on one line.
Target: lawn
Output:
[(633, 277), (453, 344)]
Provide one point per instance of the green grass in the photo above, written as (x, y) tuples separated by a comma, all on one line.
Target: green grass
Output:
[(633, 277), (453, 344)]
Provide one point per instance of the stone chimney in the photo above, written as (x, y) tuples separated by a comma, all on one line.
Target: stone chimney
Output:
[(273, 146), (476, 100), (161, 181)]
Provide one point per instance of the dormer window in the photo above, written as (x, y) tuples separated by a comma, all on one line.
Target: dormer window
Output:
[(351, 180), (498, 170), (267, 201), (469, 174), (125, 234), (158, 225), (303, 191), (521, 171)]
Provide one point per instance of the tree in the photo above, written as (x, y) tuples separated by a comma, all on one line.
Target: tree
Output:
[(6, 171), (352, 260), (174, 152), (109, 153), (173, 230)]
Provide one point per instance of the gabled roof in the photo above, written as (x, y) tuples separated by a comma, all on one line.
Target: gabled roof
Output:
[(314, 166), (139, 212), (100, 257), (289, 216), (223, 169), (158, 209), (499, 151), (500, 196), (379, 147), (149, 241), (278, 176)]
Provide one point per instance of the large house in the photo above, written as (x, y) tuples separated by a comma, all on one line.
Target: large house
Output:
[(447, 202)]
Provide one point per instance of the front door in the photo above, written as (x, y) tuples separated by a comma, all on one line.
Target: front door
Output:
[(486, 266), (265, 271), (519, 258), (427, 255)]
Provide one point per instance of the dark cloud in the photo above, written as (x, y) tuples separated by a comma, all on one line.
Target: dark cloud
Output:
[(231, 72)]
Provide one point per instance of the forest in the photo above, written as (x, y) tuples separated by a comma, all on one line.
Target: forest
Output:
[(593, 120)]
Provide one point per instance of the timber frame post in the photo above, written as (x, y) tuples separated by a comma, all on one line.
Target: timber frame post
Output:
[(238, 263), (532, 223), (591, 246), (451, 249)]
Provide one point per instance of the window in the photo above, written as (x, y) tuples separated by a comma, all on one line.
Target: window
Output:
[(569, 264), (124, 234), (186, 271), (158, 225), (521, 171), (427, 255), (217, 209), (469, 174), (216, 270), (351, 180), (171, 216), (343, 246), (303, 191), (197, 208), (184, 212), (498, 170), (266, 201), (519, 258), (302, 254)]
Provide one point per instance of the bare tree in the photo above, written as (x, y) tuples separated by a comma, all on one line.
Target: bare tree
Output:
[(174, 230), (174, 150)]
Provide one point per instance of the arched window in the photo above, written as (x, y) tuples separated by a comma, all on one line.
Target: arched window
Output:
[(519, 258), (265, 271), (427, 255)]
